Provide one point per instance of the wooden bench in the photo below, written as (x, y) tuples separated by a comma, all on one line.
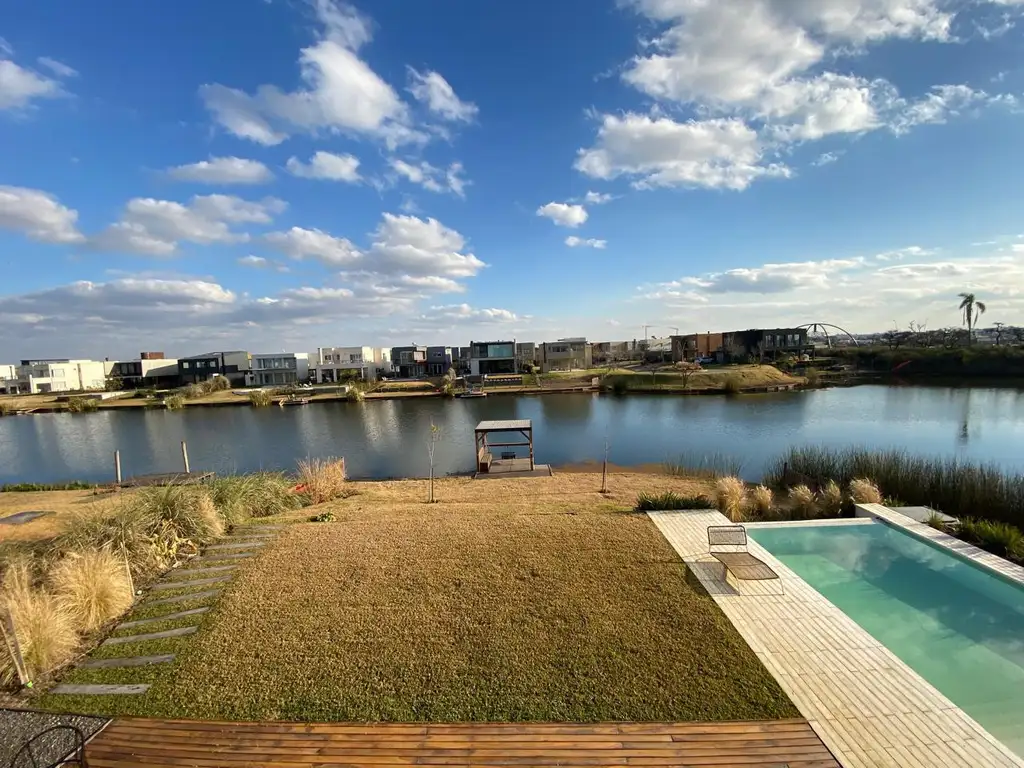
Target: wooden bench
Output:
[(738, 561), (484, 461)]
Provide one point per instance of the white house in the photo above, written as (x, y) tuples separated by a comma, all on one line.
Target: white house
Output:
[(332, 364), (8, 377), (35, 376), (280, 368)]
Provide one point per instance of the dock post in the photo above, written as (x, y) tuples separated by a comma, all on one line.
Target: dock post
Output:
[(117, 467), (184, 455)]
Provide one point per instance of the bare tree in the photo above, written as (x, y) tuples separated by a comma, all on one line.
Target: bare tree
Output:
[(1000, 329), (895, 338), (604, 466), (432, 440)]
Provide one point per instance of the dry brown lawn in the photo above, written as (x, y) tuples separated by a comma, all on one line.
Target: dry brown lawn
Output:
[(61, 503)]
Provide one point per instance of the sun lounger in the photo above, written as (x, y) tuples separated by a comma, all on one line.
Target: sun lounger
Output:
[(737, 560)]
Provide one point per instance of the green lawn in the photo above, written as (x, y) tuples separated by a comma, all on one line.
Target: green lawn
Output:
[(417, 613)]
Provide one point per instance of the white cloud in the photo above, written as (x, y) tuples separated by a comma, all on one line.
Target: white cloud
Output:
[(19, 87), (299, 244), (413, 246), (597, 198), (326, 165), (431, 178), (902, 253), (660, 152), (253, 261), (577, 242), (941, 103), (434, 91), (39, 215), (340, 93), (466, 313), (564, 214), (827, 158), (223, 170), (58, 68), (155, 227)]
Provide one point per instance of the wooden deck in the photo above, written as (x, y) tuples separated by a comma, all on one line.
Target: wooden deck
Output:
[(155, 743)]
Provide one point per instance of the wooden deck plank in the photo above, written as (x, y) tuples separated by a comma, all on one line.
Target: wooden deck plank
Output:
[(174, 743)]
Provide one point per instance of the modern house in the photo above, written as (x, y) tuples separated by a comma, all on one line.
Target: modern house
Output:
[(330, 365), (409, 362), (152, 369), (280, 369), (439, 360), (235, 366), (8, 377), (59, 375), (566, 355), (763, 344), (526, 354), (491, 357), (460, 359), (691, 346)]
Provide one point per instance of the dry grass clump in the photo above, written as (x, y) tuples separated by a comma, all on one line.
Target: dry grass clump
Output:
[(93, 586), (761, 500), (323, 479), (864, 491), (801, 500), (831, 499), (174, 402), (730, 493), (260, 398), (44, 626), (189, 511), (238, 497)]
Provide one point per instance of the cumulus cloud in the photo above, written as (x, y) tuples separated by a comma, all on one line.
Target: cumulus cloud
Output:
[(223, 170), (38, 215), (433, 90), (431, 178), (578, 242), (597, 198), (466, 313), (20, 86), (563, 214), (413, 246), (156, 227), (299, 243), (328, 166)]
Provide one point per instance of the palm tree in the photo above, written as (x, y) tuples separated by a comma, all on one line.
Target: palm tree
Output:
[(972, 309)]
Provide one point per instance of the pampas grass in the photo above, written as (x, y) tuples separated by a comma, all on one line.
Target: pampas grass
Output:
[(729, 497), (324, 479), (761, 500), (93, 586), (801, 500), (863, 491), (831, 499), (45, 628)]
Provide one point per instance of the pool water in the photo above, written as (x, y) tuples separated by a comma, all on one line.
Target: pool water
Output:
[(958, 626)]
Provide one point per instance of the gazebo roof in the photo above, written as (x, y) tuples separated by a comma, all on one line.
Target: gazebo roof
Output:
[(504, 425)]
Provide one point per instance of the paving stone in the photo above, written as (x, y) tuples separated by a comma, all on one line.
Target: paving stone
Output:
[(183, 598), (168, 617), (179, 632), (128, 661), (239, 545), (189, 583), (100, 690), (194, 571)]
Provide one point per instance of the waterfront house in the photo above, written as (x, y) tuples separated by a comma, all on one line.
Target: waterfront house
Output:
[(280, 369), (329, 365), (566, 355), (439, 360), (234, 365), (409, 362), (492, 357), (764, 344), (58, 375), (689, 347), (526, 355), (151, 370), (8, 378)]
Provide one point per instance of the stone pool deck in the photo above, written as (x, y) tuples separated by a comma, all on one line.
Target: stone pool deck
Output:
[(869, 708)]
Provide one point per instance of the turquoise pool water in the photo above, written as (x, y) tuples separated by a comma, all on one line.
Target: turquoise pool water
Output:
[(958, 626)]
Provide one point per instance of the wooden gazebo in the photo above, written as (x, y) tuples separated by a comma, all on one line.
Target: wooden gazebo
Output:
[(504, 461)]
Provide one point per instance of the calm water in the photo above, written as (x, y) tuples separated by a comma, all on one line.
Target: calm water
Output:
[(386, 438), (959, 627)]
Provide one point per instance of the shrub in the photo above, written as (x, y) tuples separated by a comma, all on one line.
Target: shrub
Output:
[(44, 627), (801, 501), (999, 538), (863, 491), (190, 511), (813, 376), (831, 499), (730, 493), (217, 384), (323, 517), (128, 528), (761, 500), (671, 500), (175, 402), (260, 398), (732, 386), (323, 479), (936, 521), (93, 586), (5, 409), (82, 405), (258, 495)]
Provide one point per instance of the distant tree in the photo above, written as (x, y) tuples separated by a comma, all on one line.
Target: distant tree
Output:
[(1000, 329), (432, 440), (895, 338), (972, 309), (1018, 334), (114, 384)]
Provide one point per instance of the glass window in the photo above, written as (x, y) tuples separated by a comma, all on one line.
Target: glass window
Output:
[(186, 365)]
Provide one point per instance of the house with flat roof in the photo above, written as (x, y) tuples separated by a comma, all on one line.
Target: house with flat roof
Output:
[(566, 355), (280, 368), (151, 370), (409, 362), (439, 360), (59, 375), (331, 365), (234, 365), (491, 357)]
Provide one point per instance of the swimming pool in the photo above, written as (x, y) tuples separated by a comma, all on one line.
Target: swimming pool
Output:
[(957, 625)]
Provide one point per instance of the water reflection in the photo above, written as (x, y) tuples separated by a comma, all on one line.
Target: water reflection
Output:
[(387, 438)]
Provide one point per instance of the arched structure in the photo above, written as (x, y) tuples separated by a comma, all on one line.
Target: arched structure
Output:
[(822, 328)]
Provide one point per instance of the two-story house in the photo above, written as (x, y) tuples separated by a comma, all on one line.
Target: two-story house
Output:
[(526, 355), (235, 366), (59, 375), (409, 362), (492, 357), (691, 346), (330, 365), (566, 355), (280, 368), (764, 344), (151, 370), (439, 360)]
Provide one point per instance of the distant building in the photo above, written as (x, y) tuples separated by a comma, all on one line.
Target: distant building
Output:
[(439, 360), (409, 362), (693, 345), (460, 359), (151, 370), (566, 355), (277, 369), (492, 357), (58, 375), (330, 365), (235, 366), (765, 344), (610, 352), (526, 354)]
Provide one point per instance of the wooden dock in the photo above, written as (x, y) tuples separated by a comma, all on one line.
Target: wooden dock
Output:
[(159, 743), (167, 478)]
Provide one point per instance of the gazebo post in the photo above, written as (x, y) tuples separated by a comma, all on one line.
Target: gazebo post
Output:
[(531, 449)]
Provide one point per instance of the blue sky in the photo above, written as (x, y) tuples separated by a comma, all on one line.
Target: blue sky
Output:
[(303, 173)]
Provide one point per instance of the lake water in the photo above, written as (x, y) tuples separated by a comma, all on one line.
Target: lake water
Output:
[(387, 438)]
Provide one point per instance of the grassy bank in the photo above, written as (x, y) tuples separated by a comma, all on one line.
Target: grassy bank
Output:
[(734, 378), (521, 600), (966, 362)]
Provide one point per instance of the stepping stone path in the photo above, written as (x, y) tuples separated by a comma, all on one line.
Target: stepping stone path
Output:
[(242, 543)]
